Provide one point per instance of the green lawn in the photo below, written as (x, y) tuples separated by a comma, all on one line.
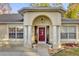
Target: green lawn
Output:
[(68, 52)]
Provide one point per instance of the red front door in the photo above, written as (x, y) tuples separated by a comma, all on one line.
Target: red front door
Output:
[(41, 33)]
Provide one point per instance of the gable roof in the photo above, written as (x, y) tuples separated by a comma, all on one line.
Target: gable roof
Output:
[(11, 18)]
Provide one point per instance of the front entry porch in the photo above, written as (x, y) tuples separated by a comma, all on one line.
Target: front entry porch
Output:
[(42, 31)]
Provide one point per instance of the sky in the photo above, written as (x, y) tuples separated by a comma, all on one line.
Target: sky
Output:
[(17, 6)]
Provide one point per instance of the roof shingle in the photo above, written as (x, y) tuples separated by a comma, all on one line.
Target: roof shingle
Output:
[(11, 18)]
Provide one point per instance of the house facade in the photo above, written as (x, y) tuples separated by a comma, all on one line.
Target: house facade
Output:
[(39, 25)]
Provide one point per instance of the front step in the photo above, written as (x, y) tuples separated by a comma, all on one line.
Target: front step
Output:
[(42, 45)]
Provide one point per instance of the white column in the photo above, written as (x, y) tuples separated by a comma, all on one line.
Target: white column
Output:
[(25, 35), (56, 36), (51, 35), (29, 42)]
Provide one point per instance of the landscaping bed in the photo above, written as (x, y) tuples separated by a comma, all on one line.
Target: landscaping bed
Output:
[(70, 49), (70, 45)]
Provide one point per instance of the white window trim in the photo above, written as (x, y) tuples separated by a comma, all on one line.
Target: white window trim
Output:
[(15, 32), (68, 32)]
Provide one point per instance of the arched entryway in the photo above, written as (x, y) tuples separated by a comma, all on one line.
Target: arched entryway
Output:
[(41, 27)]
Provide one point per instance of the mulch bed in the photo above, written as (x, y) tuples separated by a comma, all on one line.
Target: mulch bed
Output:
[(70, 45)]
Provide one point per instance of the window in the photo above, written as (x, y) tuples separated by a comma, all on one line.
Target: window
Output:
[(64, 36), (72, 35), (12, 33), (68, 32), (19, 33), (16, 33), (64, 33), (72, 32)]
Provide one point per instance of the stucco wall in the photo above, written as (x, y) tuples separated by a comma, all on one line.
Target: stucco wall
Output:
[(78, 33), (4, 33), (55, 17)]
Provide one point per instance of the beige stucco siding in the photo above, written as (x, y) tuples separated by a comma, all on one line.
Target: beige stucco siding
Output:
[(15, 24), (3, 31), (78, 33), (69, 25), (55, 17)]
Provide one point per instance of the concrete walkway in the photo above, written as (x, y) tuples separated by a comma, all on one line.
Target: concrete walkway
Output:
[(42, 50), (37, 52), (30, 52), (20, 51)]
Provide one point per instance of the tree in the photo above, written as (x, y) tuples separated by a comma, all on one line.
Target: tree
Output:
[(47, 4), (73, 11), (40, 4)]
